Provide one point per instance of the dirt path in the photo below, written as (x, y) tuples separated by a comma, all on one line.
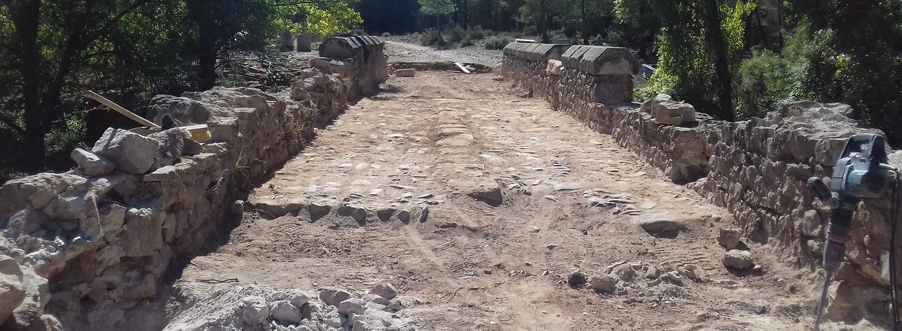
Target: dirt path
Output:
[(571, 199), (398, 51)]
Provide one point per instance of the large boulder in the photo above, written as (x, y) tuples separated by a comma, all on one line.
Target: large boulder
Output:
[(132, 153), (673, 113)]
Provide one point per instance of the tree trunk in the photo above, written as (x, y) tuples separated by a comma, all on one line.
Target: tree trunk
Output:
[(761, 28), (207, 74), (721, 60), (585, 31), (26, 21)]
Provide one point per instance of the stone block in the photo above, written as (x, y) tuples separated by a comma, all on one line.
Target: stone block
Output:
[(132, 153), (92, 164), (604, 60), (554, 67), (673, 113)]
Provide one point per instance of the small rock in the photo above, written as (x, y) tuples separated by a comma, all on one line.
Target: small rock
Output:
[(603, 283), (410, 72), (577, 280), (568, 187), (92, 164), (659, 224), (737, 259), (729, 237), (296, 297), (286, 312), (164, 174), (352, 306), (385, 290), (652, 273), (377, 299), (674, 278), (394, 306), (404, 216), (333, 297), (131, 152), (237, 207), (601, 203), (624, 272), (253, 310), (688, 271), (551, 197)]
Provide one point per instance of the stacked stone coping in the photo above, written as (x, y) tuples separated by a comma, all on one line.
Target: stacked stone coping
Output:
[(109, 240), (757, 169), (364, 59)]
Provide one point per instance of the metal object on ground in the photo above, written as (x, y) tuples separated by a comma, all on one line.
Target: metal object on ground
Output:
[(861, 172)]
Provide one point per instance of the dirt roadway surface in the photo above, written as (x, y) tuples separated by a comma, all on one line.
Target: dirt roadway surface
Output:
[(398, 51), (430, 140)]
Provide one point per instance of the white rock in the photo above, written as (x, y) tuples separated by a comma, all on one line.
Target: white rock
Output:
[(738, 259), (385, 290), (253, 310), (132, 153), (729, 237), (352, 305), (603, 283), (296, 297), (286, 312), (92, 164)]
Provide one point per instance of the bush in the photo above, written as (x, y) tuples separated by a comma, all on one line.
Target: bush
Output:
[(764, 83), (386, 35), (466, 42), (497, 43), (432, 37), (488, 33), (475, 33), (457, 34)]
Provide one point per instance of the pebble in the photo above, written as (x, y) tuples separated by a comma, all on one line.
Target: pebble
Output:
[(603, 283), (729, 237), (551, 197)]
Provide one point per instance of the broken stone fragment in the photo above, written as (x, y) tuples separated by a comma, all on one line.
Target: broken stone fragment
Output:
[(603, 283), (352, 306), (405, 72), (385, 290), (285, 312), (673, 113), (172, 143), (738, 259), (165, 174), (92, 164), (659, 224), (729, 237), (12, 293), (333, 297), (131, 152), (253, 310)]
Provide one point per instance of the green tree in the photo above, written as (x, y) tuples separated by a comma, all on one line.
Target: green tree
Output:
[(437, 8), (51, 48)]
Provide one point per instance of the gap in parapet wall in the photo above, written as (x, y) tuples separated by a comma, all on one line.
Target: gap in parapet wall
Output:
[(98, 247), (756, 169)]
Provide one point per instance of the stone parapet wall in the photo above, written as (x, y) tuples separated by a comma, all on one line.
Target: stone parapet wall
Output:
[(756, 169), (85, 250)]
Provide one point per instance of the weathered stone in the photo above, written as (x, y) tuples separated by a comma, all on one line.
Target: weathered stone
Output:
[(659, 224), (729, 237), (26, 220), (812, 226), (285, 312), (296, 297), (625, 272), (165, 174), (352, 306), (384, 290), (554, 67), (12, 293), (253, 310), (142, 234), (738, 259), (38, 190), (673, 113), (603, 283), (405, 72), (172, 143), (92, 164), (376, 299), (132, 153), (333, 297)]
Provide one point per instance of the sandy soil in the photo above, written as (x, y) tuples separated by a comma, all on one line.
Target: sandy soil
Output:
[(428, 141)]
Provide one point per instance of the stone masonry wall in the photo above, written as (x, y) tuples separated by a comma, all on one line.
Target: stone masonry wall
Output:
[(756, 169), (87, 249)]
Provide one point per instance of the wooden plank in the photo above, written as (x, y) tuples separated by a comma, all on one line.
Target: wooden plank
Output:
[(461, 66), (119, 109)]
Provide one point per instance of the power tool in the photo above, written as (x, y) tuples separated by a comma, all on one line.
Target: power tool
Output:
[(861, 172)]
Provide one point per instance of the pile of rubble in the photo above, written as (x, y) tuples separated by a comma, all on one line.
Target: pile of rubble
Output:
[(260, 308), (757, 169)]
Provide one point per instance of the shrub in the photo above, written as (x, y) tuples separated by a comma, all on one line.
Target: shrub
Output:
[(496, 43), (466, 42), (475, 33), (488, 33), (457, 34), (386, 35), (432, 37), (763, 84)]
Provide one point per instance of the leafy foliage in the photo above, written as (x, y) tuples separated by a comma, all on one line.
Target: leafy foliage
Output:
[(432, 37), (498, 42)]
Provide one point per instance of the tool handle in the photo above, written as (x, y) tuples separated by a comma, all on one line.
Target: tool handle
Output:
[(120, 109)]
